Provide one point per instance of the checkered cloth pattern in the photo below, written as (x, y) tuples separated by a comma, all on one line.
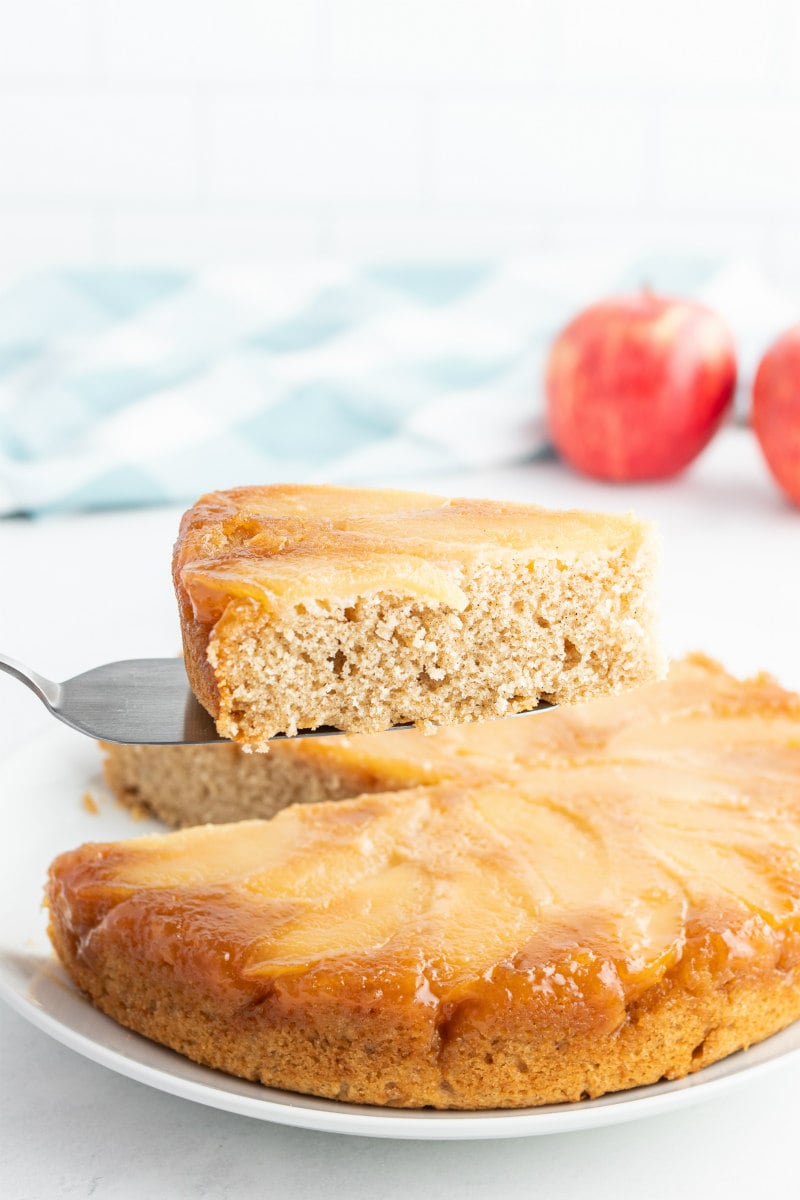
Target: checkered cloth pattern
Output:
[(139, 387)]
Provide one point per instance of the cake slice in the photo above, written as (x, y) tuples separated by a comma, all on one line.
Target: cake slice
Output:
[(359, 609), (563, 931), (191, 785)]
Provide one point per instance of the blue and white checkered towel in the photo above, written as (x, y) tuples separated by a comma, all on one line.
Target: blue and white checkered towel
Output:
[(130, 387)]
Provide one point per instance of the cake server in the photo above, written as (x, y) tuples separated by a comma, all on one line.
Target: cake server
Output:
[(141, 701)]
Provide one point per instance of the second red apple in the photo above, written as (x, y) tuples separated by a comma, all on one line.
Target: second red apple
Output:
[(776, 410), (636, 386)]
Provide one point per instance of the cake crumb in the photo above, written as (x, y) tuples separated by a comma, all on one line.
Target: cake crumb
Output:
[(90, 804)]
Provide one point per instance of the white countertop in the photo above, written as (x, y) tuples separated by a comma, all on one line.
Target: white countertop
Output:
[(80, 591)]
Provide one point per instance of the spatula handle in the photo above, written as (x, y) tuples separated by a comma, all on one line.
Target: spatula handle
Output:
[(47, 691)]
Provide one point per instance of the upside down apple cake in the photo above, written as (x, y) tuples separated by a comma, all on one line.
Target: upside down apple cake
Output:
[(599, 899)]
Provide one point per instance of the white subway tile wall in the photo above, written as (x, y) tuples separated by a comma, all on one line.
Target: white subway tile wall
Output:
[(188, 132), (97, 146), (298, 151)]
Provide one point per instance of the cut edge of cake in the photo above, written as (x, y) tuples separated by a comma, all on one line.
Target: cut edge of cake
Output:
[(193, 785)]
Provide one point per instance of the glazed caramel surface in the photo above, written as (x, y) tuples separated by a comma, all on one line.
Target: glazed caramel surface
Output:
[(698, 714), (287, 545), (566, 870)]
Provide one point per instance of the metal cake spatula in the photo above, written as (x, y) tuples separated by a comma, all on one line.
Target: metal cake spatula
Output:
[(142, 701)]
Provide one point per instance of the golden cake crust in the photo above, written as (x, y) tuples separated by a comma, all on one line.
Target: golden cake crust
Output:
[(306, 606), (366, 1057), (576, 926)]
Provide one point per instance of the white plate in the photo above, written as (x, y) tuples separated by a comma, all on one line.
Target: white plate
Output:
[(42, 787)]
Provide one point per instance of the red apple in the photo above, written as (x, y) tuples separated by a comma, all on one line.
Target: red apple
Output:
[(637, 385), (776, 410)]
